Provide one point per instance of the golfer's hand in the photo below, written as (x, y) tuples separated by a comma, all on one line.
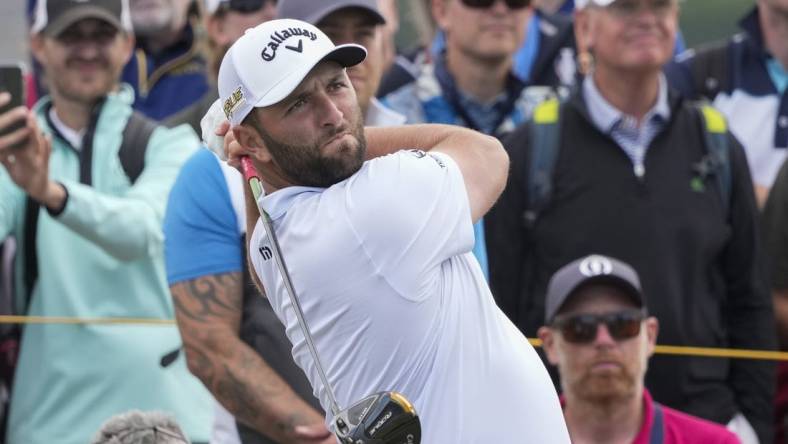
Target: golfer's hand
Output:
[(28, 164), (314, 434), (232, 149)]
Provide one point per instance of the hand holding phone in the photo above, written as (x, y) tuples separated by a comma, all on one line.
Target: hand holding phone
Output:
[(11, 119)]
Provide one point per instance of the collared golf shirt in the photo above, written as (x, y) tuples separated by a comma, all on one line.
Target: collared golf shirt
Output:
[(383, 269)]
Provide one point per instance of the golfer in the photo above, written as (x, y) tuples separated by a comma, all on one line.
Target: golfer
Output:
[(376, 228)]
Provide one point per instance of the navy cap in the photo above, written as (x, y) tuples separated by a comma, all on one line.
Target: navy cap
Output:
[(313, 12)]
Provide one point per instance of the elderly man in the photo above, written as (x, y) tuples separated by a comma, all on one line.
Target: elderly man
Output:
[(600, 336), (669, 192), (234, 342), (86, 202)]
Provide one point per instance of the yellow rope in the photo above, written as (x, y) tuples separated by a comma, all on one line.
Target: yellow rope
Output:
[(82, 321), (660, 349), (707, 352)]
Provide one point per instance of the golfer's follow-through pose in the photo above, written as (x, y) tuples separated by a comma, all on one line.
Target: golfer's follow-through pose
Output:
[(376, 228)]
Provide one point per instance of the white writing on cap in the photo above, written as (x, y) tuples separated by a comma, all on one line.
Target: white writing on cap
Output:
[(596, 265), (279, 37)]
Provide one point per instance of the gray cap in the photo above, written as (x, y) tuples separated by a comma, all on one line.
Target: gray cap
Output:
[(52, 17), (313, 12), (590, 269)]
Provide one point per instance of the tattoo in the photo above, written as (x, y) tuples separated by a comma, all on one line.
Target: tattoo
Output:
[(209, 310)]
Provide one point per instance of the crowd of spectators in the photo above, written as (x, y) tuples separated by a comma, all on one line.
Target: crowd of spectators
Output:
[(662, 169)]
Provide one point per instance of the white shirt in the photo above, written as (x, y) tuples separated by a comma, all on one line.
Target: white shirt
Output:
[(382, 266)]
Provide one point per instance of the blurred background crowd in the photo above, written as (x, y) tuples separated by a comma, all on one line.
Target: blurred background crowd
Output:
[(651, 131)]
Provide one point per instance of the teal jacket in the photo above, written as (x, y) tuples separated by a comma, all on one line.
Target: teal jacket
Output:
[(101, 257)]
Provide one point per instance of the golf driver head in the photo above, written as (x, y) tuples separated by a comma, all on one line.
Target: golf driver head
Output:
[(382, 418)]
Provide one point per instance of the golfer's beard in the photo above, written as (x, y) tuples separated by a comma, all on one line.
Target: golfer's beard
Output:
[(608, 387), (305, 165)]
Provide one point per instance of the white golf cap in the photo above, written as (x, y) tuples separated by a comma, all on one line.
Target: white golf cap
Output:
[(580, 4), (270, 60)]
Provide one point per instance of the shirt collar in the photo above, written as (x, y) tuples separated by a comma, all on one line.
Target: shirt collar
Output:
[(279, 202), (380, 115), (605, 116)]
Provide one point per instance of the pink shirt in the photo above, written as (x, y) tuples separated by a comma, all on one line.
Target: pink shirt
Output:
[(680, 428)]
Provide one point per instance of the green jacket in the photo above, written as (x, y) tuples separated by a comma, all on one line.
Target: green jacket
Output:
[(101, 257)]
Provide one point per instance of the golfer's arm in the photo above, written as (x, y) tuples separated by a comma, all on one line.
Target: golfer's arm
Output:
[(482, 159), (208, 310)]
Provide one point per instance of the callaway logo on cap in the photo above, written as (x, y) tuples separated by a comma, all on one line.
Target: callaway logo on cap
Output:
[(270, 60)]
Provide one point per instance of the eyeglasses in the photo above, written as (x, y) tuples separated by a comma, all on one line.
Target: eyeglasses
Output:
[(244, 6), (582, 328), (482, 4)]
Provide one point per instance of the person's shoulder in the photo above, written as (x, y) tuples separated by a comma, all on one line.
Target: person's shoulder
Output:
[(693, 429)]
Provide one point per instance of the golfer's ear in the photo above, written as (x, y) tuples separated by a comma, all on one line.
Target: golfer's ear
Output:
[(250, 143)]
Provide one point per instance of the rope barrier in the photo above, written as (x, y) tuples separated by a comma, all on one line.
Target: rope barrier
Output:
[(82, 321), (708, 352)]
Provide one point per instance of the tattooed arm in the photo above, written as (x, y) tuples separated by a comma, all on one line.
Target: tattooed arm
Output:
[(208, 310)]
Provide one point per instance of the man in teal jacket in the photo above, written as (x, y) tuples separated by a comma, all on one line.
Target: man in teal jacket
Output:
[(97, 244)]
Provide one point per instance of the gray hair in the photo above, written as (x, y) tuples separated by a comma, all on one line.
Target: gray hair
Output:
[(136, 427)]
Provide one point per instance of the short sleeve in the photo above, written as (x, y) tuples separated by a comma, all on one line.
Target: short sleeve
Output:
[(201, 226), (411, 213)]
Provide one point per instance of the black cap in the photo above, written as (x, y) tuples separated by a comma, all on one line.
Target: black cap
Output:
[(590, 269), (313, 12), (52, 17)]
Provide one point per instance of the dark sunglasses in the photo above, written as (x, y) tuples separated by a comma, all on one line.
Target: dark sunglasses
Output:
[(245, 6), (481, 4), (582, 328)]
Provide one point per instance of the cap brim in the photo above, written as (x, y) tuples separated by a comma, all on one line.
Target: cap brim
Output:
[(68, 18), (346, 55), (605, 279), (319, 15)]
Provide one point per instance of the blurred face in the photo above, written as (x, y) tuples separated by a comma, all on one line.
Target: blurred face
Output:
[(608, 364), (353, 25), (776, 7), (316, 135), (634, 35), (84, 62), (151, 17), (485, 33)]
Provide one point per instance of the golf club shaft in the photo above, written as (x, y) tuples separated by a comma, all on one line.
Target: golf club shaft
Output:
[(251, 176)]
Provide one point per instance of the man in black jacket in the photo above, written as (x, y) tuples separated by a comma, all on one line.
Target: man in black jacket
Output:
[(633, 179)]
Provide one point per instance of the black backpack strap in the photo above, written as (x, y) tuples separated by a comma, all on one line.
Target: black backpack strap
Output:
[(135, 142), (544, 138), (658, 425), (32, 210)]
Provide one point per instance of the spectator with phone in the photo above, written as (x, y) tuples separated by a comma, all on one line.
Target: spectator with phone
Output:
[(85, 194)]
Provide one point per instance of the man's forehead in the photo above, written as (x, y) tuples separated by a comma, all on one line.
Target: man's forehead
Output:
[(323, 71)]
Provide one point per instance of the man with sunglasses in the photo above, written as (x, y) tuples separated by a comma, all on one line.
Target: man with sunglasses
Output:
[(90, 238), (600, 337)]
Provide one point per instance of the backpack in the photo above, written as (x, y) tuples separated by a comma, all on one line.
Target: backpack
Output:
[(544, 135)]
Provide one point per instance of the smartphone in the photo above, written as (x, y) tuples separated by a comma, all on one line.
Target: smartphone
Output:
[(11, 81)]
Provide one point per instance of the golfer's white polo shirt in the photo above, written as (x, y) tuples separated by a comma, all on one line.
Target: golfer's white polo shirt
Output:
[(395, 300)]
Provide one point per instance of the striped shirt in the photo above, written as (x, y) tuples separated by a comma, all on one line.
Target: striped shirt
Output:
[(632, 137)]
